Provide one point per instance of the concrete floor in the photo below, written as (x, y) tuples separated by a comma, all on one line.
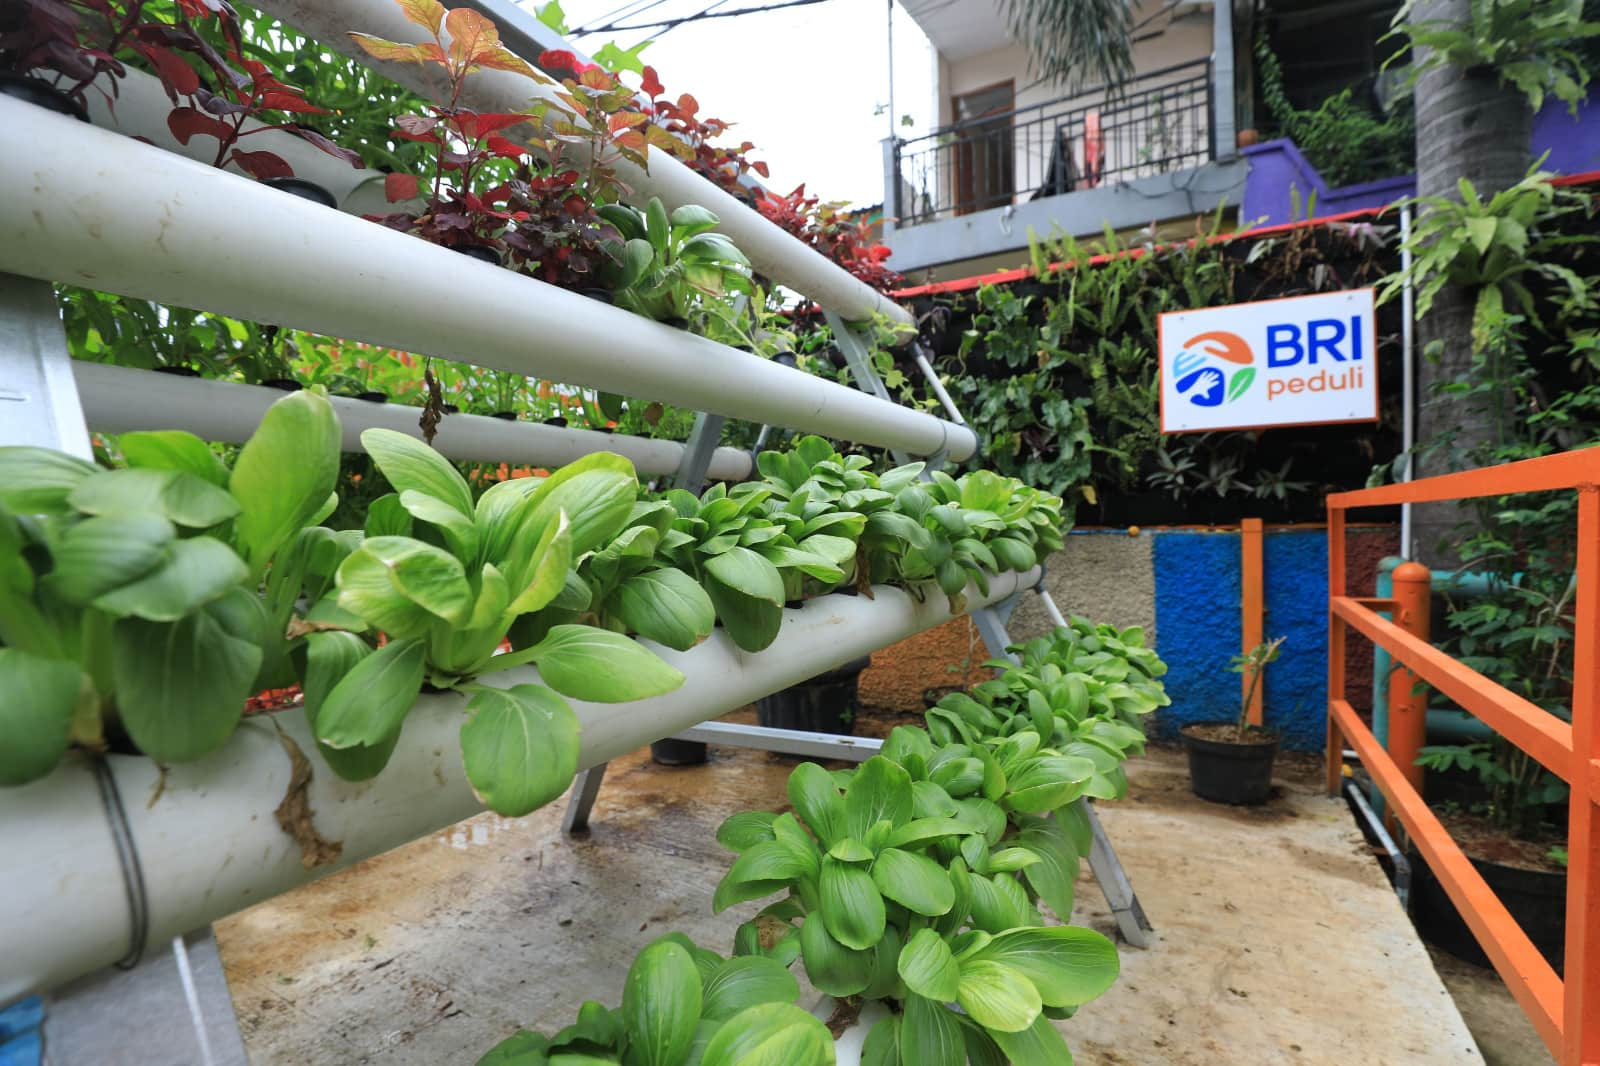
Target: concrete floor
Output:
[(1279, 939)]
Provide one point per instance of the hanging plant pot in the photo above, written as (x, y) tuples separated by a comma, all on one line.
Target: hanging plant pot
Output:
[(478, 251), (305, 190), (283, 384), (179, 371), (42, 94), (602, 296), (824, 704), (671, 752), (1227, 770)]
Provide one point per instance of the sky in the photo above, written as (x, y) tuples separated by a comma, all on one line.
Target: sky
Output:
[(806, 84)]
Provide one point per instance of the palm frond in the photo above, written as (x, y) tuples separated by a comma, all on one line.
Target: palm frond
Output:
[(1077, 43)]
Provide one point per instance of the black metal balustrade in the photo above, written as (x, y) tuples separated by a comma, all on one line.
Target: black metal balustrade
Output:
[(1155, 123)]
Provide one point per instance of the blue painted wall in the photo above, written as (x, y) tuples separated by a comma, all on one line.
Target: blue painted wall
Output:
[(1296, 579), (1197, 581)]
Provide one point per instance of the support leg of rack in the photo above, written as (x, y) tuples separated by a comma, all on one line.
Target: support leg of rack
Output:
[(993, 631), (691, 474), (1113, 881), (585, 790), (38, 395), (1049, 601), (173, 1008)]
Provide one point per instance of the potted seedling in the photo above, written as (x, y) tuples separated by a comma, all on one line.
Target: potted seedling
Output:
[(1231, 762)]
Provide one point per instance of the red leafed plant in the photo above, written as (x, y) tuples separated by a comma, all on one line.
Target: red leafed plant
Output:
[(69, 44), (605, 117), (692, 138), (248, 92), (78, 41), (834, 232), (464, 202)]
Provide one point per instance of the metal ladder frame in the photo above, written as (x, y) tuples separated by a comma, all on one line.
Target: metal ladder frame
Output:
[(1107, 868)]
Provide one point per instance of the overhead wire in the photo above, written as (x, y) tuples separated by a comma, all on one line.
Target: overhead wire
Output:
[(708, 13)]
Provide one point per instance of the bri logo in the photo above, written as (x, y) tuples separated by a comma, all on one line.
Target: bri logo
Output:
[(1214, 368)]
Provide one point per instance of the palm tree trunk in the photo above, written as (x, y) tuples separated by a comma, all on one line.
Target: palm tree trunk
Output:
[(1468, 126)]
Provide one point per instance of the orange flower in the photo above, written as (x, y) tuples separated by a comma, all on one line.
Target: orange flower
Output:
[(355, 478)]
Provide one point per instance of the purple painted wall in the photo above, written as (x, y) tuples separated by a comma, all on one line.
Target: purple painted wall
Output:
[(1276, 167)]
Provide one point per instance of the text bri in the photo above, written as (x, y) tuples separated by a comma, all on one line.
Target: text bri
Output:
[(1331, 339)]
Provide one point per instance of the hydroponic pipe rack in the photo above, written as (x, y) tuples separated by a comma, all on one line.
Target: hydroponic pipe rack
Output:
[(142, 222), (119, 400), (210, 844), (772, 251)]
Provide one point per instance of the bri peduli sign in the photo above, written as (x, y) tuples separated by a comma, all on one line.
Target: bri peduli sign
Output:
[(1297, 361)]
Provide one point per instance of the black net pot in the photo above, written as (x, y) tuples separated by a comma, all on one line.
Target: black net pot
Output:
[(824, 704)]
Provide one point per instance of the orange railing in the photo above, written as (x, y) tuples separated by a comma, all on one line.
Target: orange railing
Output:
[(1565, 1013)]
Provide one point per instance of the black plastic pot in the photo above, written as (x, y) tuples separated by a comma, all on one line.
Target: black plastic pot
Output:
[(824, 704), (479, 251), (601, 296), (505, 416), (557, 421), (1537, 899), (42, 94), (373, 396), (676, 323), (450, 409), (785, 359), (283, 384), (179, 371), (306, 190), (678, 752), (1224, 772)]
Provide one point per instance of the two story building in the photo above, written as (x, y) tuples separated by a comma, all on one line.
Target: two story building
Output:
[(1013, 152)]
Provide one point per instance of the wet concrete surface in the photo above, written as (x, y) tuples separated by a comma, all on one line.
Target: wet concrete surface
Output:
[(1278, 939)]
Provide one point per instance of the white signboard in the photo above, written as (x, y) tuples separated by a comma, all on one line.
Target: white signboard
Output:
[(1298, 361)]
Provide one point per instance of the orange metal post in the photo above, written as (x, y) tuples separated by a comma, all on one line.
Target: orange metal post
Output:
[(1408, 707), (1253, 622), (1334, 755), (1581, 1036)]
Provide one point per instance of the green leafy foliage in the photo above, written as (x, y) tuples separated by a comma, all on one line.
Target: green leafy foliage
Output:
[(682, 1005), (1532, 46), (450, 607), (141, 582), (1344, 140)]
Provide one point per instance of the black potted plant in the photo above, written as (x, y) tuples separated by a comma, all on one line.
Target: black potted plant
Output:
[(1231, 762), (824, 704)]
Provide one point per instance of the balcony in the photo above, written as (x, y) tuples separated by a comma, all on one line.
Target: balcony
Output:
[(1143, 152)]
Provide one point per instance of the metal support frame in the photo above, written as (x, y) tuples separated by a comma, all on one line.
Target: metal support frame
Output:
[(180, 998)]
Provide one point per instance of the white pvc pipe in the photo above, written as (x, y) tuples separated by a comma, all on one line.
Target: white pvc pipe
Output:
[(207, 838), (141, 108), (1408, 374), (119, 399), (773, 252), (89, 207)]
